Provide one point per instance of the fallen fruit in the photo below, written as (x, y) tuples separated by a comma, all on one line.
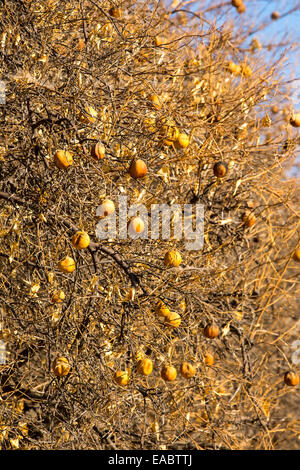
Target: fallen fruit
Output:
[(296, 255), (136, 225), (107, 207), (249, 219), (90, 115), (209, 359), (183, 140), (161, 309), (155, 101)]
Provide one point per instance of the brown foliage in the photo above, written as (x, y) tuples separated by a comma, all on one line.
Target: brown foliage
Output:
[(80, 73)]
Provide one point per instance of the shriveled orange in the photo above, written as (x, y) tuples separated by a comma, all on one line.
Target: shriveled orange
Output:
[(173, 319), (138, 169), (107, 207), (168, 373), (145, 366), (63, 159), (58, 297), (291, 378), (187, 370), (121, 377), (209, 359), (66, 265), (60, 366), (136, 225), (98, 151), (172, 258), (80, 240), (211, 331)]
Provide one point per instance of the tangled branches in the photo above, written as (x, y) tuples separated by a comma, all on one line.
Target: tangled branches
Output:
[(209, 118)]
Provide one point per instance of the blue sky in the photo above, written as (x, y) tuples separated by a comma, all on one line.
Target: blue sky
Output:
[(285, 30)]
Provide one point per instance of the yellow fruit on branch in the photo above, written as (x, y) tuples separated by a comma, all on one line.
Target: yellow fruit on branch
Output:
[(155, 101), (162, 310), (246, 70), (115, 12), (145, 366), (80, 240), (138, 169), (172, 134), (233, 68), (241, 8), (291, 378), (66, 265), (255, 44), (63, 159), (275, 15), (209, 359), (187, 370), (173, 319), (220, 169), (172, 258), (183, 140), (211, 331), (58, 297), (107, 207), (136, 225), (296, 255), (236, 3), (60, 366), (121, 377), (249, 219), (98, 151), (295, 120), (168, 373)]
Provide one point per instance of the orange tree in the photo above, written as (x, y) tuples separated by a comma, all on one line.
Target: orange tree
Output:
[(125, 343)]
